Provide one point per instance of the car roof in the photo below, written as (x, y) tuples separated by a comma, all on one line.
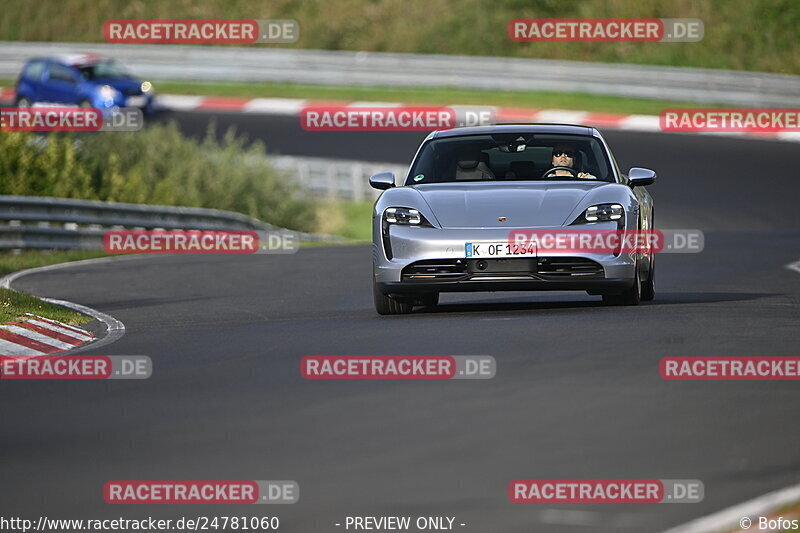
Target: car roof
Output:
[(573, 129), (75, 60)]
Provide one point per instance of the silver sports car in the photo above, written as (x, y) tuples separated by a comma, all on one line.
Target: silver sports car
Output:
[(498, 208)]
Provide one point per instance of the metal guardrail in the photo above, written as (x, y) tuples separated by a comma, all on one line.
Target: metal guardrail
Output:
[(226, 63), (40, 222), (60, 223), (335, 179)]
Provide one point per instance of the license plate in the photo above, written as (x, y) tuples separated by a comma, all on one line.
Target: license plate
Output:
[(500, 249), (137, 101)]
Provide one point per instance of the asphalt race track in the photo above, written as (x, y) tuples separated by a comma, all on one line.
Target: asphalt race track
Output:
[(577, 393)]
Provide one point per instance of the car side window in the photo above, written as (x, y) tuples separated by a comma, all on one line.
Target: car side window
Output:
[(34, 70), (61, 73)]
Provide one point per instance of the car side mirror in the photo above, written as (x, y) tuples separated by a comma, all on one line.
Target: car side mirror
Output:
[(639, 177), (382, 180)]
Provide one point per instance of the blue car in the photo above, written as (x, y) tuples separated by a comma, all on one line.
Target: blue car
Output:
[(81, 80)]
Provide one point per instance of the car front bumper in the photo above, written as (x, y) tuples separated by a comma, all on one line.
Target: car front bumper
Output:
[(423, 259)]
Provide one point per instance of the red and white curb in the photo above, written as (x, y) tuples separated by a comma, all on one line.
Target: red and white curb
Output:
[(293, 107), (34, 335)]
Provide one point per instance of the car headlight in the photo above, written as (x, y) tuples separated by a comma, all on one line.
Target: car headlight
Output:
[(602, 213), (404, 216), (401, 216), (147, 87), (108, 95), (106, 92)]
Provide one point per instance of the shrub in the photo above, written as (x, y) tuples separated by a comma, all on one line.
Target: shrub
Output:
[(156, 165)]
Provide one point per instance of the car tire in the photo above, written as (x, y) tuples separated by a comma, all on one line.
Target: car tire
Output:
[(649, 286), (84, 104), (630, 296), (22, 102), (386, 305)]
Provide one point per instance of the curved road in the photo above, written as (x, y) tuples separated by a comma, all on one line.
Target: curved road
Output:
[(577, 392)]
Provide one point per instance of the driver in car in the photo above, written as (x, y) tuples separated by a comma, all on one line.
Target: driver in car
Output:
[(564, 156)]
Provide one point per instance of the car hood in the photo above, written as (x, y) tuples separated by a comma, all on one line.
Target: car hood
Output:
[(523, 204)]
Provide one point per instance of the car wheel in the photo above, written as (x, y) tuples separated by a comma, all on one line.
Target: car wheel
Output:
[(630, 296), (22, 102), (386, 305), (84, 104), (649, 286)]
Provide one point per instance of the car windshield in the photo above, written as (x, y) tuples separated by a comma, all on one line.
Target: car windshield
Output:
[(104, 70), (511, 156)]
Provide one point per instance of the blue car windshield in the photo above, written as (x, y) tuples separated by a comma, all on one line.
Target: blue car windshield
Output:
[(506, 157), (105, 70)]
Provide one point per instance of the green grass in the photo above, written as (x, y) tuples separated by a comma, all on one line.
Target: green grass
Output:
[(14, 305), (351, 220), (433, 96), (789, 508), (13, 262)]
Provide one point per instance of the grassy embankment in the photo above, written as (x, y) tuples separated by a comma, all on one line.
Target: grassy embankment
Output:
[(757, 35)]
